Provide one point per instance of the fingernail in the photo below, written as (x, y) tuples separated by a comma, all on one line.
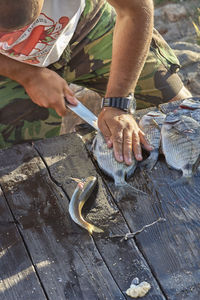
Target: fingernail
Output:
[(120, 157), (73, 99), (129, 160), (139, 157), (109, 143)]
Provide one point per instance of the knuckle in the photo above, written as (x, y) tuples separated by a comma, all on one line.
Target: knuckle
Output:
[(117, 141), (128, 141), (135, 139)]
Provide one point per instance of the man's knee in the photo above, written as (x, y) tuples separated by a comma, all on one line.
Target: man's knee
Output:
[(183, 94)]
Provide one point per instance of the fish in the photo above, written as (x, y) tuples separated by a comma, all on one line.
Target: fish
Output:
[(192, 113), (106, 161), (151, 124), (80, 195), (191, 103), (180, 139)]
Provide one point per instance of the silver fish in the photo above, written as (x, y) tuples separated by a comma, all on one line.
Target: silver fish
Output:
[(151, 124), (192, 103), (192, 113), (82, 192), (110, 166), (180, 138)]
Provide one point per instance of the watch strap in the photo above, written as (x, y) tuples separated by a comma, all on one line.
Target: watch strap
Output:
[(127, 104)]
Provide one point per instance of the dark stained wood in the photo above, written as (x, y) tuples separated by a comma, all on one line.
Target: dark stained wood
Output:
[(38, 181), (18, 279), (171, 248), (65, 256), (124, 261)]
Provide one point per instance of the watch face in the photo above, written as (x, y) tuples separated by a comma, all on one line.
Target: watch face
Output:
[(132, 110), (132, 106)]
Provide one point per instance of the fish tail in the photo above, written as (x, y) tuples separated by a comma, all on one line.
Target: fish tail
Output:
[(92, 228), (182, 181), (150, 162), (127, 190)]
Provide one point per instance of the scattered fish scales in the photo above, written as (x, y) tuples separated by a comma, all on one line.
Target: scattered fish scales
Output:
[(180, 136), (151, 124)]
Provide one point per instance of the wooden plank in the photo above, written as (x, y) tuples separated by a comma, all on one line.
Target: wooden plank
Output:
[(66, 258), (18, 279), (171, 248), (123, 260)]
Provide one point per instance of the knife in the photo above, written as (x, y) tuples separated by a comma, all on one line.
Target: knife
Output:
[(83, 112)]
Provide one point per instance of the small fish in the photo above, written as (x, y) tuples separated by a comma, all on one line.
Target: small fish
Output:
[(110, 166), (82, 192), (151, 124), (180, 137), (191, 103)]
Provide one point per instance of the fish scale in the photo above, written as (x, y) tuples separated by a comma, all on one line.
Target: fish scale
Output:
[(110, 166), (180, 142), (107, 162), (151, 124)]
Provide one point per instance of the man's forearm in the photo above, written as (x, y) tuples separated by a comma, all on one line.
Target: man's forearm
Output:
[(16, 70), (132, 37)]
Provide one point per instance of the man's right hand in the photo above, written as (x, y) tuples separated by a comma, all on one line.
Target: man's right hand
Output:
[(47, 89)]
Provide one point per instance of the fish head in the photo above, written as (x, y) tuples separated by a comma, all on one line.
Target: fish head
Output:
[(172, 117), (151, 118), (98, 144), (191, 103)]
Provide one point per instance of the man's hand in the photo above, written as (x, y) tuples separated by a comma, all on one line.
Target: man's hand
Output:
[(121, 131), (46, 88)]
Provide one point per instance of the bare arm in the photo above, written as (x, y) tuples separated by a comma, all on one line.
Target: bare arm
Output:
[(45, 87), (131, 41)]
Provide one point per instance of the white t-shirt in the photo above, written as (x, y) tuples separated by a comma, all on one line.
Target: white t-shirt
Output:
[(43, 42)]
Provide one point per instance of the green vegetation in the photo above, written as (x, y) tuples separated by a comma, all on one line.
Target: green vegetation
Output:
[(197, 26)]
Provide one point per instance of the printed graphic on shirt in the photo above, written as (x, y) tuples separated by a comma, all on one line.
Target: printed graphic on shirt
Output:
[(33, 43)]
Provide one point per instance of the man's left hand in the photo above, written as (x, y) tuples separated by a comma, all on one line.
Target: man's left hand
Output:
[(121, 132)]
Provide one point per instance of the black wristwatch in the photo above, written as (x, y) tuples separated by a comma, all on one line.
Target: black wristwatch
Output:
[(127, 104)]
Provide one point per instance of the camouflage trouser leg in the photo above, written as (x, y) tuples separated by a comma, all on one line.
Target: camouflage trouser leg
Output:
[(89, 66)]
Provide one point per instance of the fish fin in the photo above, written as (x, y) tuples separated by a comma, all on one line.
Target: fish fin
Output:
[(182, 181), (124, 190), (92, 228), (150, 162)]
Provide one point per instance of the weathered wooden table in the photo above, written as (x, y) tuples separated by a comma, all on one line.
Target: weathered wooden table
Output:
[(45, 255)]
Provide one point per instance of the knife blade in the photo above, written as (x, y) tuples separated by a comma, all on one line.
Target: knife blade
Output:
[(83, 112)]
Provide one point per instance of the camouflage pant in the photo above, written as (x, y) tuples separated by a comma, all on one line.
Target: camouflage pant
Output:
[(89, 66)]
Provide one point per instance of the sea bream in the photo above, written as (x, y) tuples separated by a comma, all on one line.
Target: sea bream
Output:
[(110, 166), (151, 124), (191, 103), (180, 139), (192, 113)]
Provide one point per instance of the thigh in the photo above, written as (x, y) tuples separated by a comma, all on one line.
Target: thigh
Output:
[(22, 120)]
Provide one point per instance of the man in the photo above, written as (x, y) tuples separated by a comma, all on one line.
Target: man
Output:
[(46, 44)]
